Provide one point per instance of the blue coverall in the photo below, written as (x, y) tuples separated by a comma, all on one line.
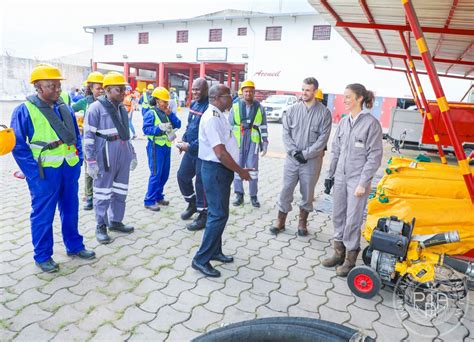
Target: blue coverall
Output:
[(59, 188), (161, 165), (190, 164)]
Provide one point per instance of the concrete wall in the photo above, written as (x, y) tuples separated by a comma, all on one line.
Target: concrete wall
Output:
[(15, 76)]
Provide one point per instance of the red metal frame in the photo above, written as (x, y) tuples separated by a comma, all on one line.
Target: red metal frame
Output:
[(461, 56), (418, 58), (371, 20), (446, 25), (438, 90), (388, 27), (338, 18), (426, 111), (424, 73)]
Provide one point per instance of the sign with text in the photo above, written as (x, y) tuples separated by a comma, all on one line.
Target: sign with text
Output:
[(262, 73), (211, 54)]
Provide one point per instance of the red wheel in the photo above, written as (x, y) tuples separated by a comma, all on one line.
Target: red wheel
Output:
[(364, 282)]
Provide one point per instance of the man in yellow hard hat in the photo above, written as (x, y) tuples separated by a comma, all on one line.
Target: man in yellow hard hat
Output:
[(159, 124), (94, 89), (48, 151), (249, 123), (110, 156), (145, 99)]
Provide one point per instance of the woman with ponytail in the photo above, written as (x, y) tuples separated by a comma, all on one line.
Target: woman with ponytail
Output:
[(356, 155)]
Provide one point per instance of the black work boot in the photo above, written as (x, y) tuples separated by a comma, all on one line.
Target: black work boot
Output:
[(120, 227), (254, 201), (239, 199), (199, 222), (101, 234), (189, 211), (88, 205)]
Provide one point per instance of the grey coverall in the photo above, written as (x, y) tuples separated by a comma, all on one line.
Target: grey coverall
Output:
[(249, 150), (111, 186), (307, 130), (356, 155)]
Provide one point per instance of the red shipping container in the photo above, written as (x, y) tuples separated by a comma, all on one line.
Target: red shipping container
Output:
[(462, 117)]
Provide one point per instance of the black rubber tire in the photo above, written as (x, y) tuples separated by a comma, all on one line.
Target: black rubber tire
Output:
[(366, 256), (364, 275), (281, 329)]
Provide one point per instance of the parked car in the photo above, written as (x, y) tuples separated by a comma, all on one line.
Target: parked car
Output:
[(276, 105)]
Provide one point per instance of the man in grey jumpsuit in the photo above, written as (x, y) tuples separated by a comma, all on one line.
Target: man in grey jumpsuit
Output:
[(249, 123), (306, 130), (110, 156), (357, 152)]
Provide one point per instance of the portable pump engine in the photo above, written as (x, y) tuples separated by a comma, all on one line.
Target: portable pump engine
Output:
[(395, 255)]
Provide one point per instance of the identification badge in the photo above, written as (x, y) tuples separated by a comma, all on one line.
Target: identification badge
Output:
[(359, 144)]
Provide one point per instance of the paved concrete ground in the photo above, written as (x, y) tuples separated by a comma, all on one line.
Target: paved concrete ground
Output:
[(141, 287)]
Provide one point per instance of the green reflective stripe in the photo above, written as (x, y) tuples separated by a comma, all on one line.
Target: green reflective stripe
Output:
[(45, 134), (145, 101), (255, 135), (160, 140)]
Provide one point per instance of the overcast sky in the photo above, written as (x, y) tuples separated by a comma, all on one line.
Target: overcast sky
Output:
[(49, 29)]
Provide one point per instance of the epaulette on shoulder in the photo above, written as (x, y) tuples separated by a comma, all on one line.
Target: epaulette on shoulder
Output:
[(216, 113)]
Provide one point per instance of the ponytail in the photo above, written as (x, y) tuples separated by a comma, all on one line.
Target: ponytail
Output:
[(367, 95)]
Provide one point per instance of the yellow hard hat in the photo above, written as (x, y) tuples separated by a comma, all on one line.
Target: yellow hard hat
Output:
[(7, 140), (247, 83), (161, 93), (95, 77), (239, 92), (319, 95), (45, 72), (113, 78), (137, 89), (150, 87)]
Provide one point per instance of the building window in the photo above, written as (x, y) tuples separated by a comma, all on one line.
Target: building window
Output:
[(143, 38), (108, 39), (321, 32), (242, 31), (182, 36), (215, 35), (273, 33)]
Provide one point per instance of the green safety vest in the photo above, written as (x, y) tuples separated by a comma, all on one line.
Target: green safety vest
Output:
[(162, 139), (145, 101), (66, 98), (255, 135), (45, 134)]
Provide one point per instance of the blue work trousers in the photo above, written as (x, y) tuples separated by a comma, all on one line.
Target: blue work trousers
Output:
[(191, 167), (217, 180), (59, 188), (159, 171)]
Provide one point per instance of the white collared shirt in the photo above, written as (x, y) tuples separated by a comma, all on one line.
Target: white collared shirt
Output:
[(353, 121), (214, 130)]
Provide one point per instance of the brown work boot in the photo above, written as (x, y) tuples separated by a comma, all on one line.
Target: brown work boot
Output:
[(338, 257), (280, 225), (349, 263), (303, 223)]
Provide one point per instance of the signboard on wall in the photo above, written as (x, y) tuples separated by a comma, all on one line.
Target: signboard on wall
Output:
[(211, 54)]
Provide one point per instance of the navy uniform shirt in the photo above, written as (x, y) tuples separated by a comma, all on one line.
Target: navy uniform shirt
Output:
[(191, 136)]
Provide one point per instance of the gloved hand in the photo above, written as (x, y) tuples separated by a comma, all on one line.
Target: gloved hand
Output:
[(328, 183), (92, 169), (298, 155), (133, 164), (264, 148), (165, 126), (171, 134)]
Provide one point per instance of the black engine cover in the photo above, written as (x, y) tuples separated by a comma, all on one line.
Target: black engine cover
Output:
[(389, 243)]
